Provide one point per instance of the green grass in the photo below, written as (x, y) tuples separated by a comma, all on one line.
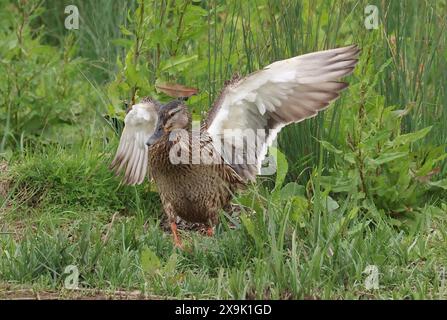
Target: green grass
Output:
[(317, 254), (61, 206), (243, 37), (99, 25)]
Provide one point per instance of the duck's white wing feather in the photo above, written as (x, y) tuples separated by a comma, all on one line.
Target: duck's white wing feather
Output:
[(132, 154), (265, 101)]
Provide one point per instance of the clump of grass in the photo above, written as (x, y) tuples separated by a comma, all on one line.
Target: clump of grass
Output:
[(73, 177)]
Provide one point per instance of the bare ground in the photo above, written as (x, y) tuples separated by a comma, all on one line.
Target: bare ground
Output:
[(11, 292)]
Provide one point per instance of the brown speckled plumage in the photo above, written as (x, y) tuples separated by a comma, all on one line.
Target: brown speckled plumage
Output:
[(195, 192)]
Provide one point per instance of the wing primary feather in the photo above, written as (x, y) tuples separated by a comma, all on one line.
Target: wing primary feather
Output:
[(131, 157), (127, 156), (144, 164), (136, 175), (131, 163), (284, 92)]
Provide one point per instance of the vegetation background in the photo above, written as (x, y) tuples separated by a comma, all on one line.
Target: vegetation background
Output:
[(360, 191)]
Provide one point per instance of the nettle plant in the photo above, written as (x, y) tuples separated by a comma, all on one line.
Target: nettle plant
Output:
[(374, 160)]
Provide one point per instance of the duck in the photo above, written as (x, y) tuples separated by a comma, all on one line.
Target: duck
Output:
[(198, 168)]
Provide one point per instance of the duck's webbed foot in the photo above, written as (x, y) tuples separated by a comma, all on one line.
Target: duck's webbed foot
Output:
[(210, 231)]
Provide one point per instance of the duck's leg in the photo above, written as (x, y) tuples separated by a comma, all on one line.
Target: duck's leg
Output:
[(212, 221), (169, 210), (177, 241)]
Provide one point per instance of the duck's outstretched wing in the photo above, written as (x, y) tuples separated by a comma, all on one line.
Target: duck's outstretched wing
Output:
[(132, 154), (265, 101)]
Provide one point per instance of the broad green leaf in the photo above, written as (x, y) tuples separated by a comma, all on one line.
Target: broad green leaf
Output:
[(329, 147), (291, 190), (150, 263), (282, 166), (388, 157), (177, 62), (440, 184), (171, 265), (126, 43), (411, 137), (125, 31), (131, 74)]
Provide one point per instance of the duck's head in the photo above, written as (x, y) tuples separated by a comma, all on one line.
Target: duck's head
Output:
[(171, 116)]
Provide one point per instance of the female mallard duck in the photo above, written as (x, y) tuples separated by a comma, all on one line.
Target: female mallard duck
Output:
[(198, 171)]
